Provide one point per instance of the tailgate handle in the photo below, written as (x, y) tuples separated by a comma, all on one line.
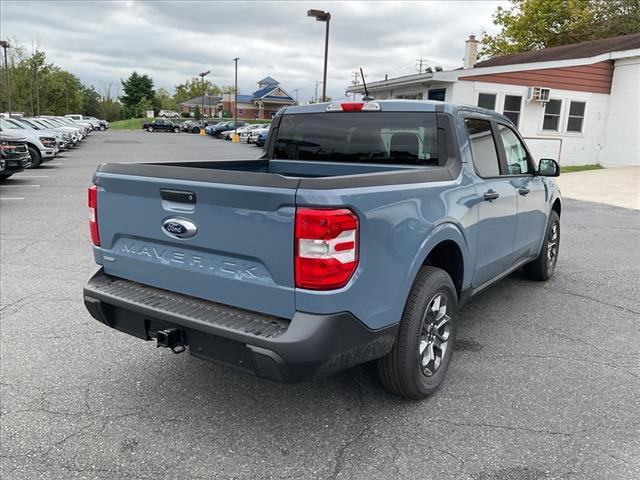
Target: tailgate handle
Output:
[(178, 196)]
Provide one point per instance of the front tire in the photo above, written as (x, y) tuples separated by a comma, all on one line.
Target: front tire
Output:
[(102, 128), (36, 158), (176, 130), (418, 361), (149, 129), (544, 265)]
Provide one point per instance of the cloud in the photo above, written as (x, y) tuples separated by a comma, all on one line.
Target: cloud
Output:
[(102, 42)]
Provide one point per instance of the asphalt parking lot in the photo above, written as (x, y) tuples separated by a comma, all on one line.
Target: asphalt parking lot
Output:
[(545, 382)]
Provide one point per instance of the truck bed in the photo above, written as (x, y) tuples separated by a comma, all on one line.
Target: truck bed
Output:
[(285, 173)]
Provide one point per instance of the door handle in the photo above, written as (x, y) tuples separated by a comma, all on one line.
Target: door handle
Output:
[(523, 190), (490, 195)]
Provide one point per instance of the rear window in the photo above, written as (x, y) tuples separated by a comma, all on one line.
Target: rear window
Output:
[(407, 138)]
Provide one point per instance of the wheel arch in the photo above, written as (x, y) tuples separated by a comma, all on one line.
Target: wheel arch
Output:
[(446, 248), (557, 206)]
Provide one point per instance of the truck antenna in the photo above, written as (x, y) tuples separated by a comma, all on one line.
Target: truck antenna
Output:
[(366, 97)]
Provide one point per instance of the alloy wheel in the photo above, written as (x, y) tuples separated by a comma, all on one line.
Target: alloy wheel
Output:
[(434, 335)]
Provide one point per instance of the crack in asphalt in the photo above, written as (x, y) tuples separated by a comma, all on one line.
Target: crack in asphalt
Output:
[(340, 455), (602, 302)]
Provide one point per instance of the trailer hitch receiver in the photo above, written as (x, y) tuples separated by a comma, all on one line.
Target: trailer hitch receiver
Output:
[(171, 338)]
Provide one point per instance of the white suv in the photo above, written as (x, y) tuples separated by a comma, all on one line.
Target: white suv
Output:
[(168, 114)]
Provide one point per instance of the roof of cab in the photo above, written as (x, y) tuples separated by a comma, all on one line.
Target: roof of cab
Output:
[(397, 105)]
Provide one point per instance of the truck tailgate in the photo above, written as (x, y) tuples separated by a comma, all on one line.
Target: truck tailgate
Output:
[(241, 253)]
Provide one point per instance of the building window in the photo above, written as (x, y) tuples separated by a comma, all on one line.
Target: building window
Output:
[(511, 108), (417, 96), (576, 117), (437, 94), (241, 111), (552, 115), (487, 100)]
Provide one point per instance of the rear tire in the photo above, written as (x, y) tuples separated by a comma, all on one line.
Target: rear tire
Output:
[(102, 128), (36, 158), (544, 265), (176, 130), (418, 361)]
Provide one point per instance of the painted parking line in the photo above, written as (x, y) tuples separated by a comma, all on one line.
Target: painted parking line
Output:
[(33, 176), (52, 164), (17, 186), (11, 198)]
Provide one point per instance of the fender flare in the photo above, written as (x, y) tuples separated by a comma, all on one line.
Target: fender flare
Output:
[(445, 231)]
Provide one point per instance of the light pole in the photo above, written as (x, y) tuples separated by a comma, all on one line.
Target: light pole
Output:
[(202, 75), (235, 100), (322, 16), (4, 44)]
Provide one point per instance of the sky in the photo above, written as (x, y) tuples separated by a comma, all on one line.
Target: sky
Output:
[(102, 42)]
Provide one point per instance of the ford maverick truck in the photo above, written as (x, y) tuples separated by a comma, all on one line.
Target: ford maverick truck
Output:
[(357, 236)]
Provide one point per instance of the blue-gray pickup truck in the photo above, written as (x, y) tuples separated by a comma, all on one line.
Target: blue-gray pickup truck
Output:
[(356, 237)]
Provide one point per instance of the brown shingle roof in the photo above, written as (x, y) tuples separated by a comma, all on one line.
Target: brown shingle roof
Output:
[(566, 52)]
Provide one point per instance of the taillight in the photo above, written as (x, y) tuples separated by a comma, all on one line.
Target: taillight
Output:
[(326, 244), (93, 215)]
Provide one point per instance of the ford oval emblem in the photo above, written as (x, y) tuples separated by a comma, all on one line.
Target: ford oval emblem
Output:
[(179, 228)]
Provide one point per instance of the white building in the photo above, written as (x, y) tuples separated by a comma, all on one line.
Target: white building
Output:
[(576, 103)]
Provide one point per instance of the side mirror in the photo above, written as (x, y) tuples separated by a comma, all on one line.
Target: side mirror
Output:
[(548, 167)]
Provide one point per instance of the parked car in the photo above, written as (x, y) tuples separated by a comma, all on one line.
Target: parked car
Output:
[(209, 128), (161, 125), (168, 114), (254, 134), (14, 154), (63, 138), (86, 123), (84, 127), (73, 132), (224, 127), (102, 124), (41, 146), (248, 129), (95, 124), (262, 139), (331, 250), (192, 126)]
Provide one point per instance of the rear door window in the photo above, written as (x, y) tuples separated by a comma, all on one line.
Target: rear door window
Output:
[(483, 147), (404, 138)]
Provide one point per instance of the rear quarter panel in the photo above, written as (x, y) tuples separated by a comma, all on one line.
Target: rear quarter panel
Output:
[(399, 226)]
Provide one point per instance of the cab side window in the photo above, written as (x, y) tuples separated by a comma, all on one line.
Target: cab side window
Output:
[(514, 151), (483, 147)]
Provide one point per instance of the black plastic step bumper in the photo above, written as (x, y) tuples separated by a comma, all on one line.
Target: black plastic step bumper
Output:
[(299, 349)]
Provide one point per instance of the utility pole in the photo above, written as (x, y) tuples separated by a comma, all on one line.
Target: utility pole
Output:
[(296, 90), (202, 75), (318, 82), (235, 101), (355, 81), (419, 63), (37, 90), (5, 45)]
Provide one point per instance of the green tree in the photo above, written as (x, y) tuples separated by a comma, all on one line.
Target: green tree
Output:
[(197, 114), (90, 101), (164, 100), (535, 24), (143, 106), (109, 109), (194, 88), (135, 88)]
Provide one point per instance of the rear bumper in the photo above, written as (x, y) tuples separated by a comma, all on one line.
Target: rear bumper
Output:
[(299, 349)]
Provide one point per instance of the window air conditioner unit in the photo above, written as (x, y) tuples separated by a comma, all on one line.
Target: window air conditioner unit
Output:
[(538, 94)]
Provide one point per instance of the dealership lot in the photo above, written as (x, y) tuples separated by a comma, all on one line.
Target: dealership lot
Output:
[(545, 382)]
